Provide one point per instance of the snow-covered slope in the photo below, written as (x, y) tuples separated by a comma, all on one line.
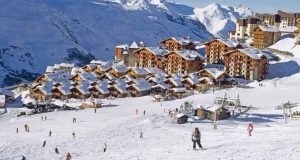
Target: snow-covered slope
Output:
[(36, 33), (219, 19), (287, 44)]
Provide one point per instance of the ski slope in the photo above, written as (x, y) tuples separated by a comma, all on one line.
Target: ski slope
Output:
[(119, 127)]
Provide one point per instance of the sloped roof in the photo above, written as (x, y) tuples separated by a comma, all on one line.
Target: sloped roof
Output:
[(267, 28), (134, 45), (179, 90), (103, 88), (46, 88), (139, 70), (181, 40), (215, 72), (120, 68), (157, 51), (155, 70), (65, 88), (123, 46), (189, 54), (141, 85), (176, 81), (50, 69)]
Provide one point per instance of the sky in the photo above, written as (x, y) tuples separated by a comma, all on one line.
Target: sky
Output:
[(256, 5)]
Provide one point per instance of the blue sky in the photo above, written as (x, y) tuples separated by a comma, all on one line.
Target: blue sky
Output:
[(255, 5)]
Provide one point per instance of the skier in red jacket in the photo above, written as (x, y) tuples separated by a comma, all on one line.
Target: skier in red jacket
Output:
[(68, 156)]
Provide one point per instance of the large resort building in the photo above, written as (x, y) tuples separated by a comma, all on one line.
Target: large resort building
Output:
[(264, 29)]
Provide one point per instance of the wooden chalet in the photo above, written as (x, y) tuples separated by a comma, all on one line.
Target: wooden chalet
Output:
[(81, 91), (251, 64), (178, 44), (215, 49), (90, 76), (181, 118), (150, 57), (216, 75), (42, 92), (191, 81), (118, 89), (183, 62), (118, 71), (212, 112), (100, 91), (297, 32), (140, 87), (177, 92), (264, 36), (138, 72), (120, 51)]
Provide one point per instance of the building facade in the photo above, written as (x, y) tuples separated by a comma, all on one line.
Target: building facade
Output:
[(244, 28), (250, 64), (297, 32), (264, 36), (178, 44), (215, 49)]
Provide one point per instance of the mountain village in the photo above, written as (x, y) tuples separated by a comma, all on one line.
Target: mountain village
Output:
[(195, 82)]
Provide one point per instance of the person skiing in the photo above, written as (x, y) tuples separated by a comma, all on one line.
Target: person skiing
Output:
[(68, 156), (56, 151), (105, 146), (250, 128), (50, 133), (44, 144), (144, 112), (17, 130), (136, 111), (95, 110), (196, 138), (23, 158), (26, 126), (42, 118), (141, 135), (74, 120), (73, 134), (45, 117)]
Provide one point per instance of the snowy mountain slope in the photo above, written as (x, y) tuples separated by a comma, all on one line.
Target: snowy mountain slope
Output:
[(219, 19), (80, 30), (287, 44)]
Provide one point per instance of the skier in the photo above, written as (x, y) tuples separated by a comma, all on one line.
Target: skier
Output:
[(196, 138), (105, 146), (28, 129), (136, 111), (95, 110), (42, 118), (74, 120), (141, 135), (17, 130), (144, 112), (44, 144), (26, 126), (56, 151), (250, 128), (45, 117), (68, 156), (23, 158), (73, 134), (50, 133)]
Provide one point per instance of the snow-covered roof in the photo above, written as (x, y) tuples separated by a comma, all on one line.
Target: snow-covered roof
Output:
[(103, 88), (253, 53), (179, 90), (105, 67), (65, 88), (176, 82), (63, 65), (128, 78), (110, 76), (215, 72), (193, 81), (157, 80), (229, 42), (208, 107), (98, 62), (141, 85), (162, 85), (58, 76), (2, 99), (157, 51), (139, 70), (120, 68), (179, 115), (267, 28), (155, 71), (76, 70), (89, 76), (46, 88), (123, 46), (181, 40), (84, 87), (189, 54), (50, 69), (134, 45)]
